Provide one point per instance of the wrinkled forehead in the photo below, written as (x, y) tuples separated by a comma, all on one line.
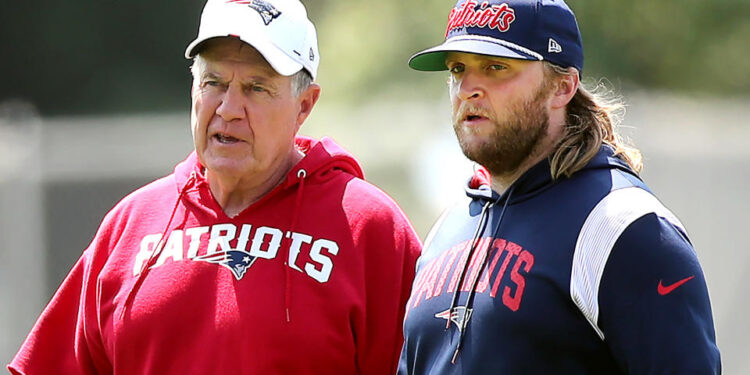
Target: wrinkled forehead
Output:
[(233, 50)]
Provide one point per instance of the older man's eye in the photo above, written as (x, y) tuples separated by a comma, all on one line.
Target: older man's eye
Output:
[(211, 83), (497, 67)]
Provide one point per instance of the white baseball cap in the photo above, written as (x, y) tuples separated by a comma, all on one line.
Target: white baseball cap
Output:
[(278, 29)]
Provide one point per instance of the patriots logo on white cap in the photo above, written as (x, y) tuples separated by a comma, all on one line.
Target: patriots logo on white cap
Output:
[(236, 260), (267, 11)]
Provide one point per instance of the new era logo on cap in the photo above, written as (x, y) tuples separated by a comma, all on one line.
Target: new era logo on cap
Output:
[(517, 29), (553, 46)]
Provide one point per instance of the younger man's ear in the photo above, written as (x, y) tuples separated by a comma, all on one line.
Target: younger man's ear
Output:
[(565, 88)]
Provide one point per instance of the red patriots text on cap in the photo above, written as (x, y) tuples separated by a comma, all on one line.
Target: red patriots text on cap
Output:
[(469, 15)]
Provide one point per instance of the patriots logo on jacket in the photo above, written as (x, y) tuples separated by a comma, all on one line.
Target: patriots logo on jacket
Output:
[(459, 314), (236, 260)]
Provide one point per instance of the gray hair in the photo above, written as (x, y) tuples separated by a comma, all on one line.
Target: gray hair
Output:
[(300, 80)]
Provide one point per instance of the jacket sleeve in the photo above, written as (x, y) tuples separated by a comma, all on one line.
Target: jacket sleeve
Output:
[(390, 260), (655, 312), (56, 343)]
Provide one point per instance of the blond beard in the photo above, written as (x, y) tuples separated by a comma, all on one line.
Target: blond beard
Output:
[(513, 140)]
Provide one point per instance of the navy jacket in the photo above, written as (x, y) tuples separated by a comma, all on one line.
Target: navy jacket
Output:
[(583, 275)]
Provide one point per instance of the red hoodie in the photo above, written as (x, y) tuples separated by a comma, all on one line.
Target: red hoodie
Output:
[(311, 279)]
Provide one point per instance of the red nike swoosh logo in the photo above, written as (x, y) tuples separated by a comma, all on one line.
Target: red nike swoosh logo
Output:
[(664, 290)]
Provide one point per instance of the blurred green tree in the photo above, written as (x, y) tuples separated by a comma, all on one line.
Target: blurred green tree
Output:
[(110, 56)]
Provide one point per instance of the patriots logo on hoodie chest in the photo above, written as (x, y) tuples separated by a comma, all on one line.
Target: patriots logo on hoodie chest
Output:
[(238, 248)]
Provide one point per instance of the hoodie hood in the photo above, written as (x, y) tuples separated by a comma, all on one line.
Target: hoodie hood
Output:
[(538, 178), (321, 157)]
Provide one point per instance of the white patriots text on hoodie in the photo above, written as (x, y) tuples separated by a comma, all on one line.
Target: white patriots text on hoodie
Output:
[(311, 279)]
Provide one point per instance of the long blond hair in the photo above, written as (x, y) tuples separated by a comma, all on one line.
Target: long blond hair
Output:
[(591, 120)]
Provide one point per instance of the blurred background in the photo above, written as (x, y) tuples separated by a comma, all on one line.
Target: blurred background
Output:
[(94, 102)]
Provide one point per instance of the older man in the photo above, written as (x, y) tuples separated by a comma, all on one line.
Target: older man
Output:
[(263, 253), (560, 260)]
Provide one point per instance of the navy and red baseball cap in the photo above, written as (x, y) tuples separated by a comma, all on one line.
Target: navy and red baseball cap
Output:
[(519, 29)]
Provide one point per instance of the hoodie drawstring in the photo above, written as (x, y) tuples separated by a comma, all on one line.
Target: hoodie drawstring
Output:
[(301, 174), (483, 220), (470, 299), (158, 250)]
